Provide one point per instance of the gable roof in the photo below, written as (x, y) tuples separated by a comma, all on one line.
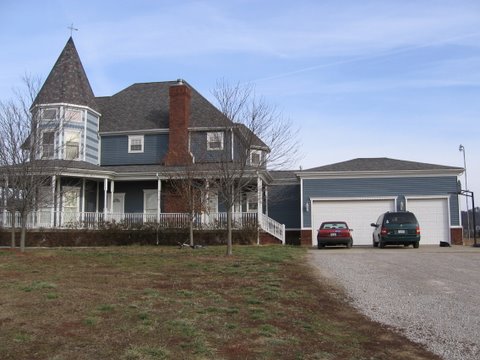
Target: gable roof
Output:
[(380, 164), (145, 106), (249, 137), (67, 81)]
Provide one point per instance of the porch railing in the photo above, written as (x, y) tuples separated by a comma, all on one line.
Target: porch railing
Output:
[(95, 220)]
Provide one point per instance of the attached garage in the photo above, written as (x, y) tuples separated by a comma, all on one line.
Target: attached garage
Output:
[(358, 213), (359, 190), (432, 214)]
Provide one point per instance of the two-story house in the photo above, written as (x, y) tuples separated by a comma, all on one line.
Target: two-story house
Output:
[(118, 154)]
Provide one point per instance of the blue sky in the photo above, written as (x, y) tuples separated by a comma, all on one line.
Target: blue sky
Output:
[(385, 78)]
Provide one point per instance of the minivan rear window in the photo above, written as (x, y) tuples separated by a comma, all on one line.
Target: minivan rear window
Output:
[(399, 218)]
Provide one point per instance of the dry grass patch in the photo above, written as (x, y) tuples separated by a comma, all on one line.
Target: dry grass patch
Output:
[(166, 303)]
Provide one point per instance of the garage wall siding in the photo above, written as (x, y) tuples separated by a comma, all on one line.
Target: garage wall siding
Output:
[(284, 205), (379, 187)]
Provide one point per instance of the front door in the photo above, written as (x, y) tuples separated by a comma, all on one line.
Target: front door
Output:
[(118, 210), (211, 214), (71, 211)]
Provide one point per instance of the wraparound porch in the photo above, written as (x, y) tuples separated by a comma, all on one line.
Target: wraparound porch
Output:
[(49, 219)]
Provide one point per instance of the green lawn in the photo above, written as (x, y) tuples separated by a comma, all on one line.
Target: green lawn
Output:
[(168, 303)]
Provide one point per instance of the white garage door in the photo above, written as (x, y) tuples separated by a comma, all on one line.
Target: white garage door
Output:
[(432, 214), (358, 214)]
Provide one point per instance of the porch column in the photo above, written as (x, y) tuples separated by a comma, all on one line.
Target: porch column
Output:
[(260, 196), (82, 209), (112, 189), (159, 197), (266, 200), (52, 215), (59, 200), (105, 189), (97, 198), (206, 210)]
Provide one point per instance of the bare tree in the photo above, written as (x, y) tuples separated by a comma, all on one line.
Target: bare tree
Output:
[(24, 173), (267, 140), (190, 191)]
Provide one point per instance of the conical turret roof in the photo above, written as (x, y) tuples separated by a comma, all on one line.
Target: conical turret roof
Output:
[(67, 82)]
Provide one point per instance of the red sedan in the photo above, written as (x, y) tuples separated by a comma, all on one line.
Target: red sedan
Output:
[(334, 233)]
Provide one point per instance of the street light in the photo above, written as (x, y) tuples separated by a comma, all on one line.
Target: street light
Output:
[(461, 148)]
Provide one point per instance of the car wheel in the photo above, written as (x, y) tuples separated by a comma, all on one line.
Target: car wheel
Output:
[(375, 244), (416, 244), (320, 246), (349, 244), (406, 245), (381, 244)]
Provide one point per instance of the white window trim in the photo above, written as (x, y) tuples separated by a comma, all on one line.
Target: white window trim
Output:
[(255, 152), (136, 137), (50, 109), (146, 193), (215, 136), (67, 134), (42, 155), (70, 118), (252, 198)]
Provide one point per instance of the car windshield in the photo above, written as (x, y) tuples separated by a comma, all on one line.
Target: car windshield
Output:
[(405, 218), (334, 225)]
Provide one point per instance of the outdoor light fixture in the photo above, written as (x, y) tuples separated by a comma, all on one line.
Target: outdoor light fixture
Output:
[(307, 206)]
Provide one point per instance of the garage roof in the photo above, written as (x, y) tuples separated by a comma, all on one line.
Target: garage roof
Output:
[(368, 167), (380, 164)]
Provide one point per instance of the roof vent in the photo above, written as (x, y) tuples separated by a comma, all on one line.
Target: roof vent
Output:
[(180, 81)]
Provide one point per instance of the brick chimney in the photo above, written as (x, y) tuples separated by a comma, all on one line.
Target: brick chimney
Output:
[(179, 114)]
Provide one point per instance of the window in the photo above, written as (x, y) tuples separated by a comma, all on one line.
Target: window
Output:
[(255, 157), (72, 145), (150, 201), (135, 144), (73, 115), (48, 141), (215, 140), (252, 202), (49, 114)]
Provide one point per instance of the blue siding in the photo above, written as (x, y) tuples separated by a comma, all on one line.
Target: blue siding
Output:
[(198, 147), (133, 191), (115, 150), (284, 205), (371, 187), (92, 142)]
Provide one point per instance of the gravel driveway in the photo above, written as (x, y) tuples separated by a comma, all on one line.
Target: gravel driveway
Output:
[(430, 294)]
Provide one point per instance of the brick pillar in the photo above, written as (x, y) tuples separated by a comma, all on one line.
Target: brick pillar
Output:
[(456, 236), (179, 116), (306, 238)]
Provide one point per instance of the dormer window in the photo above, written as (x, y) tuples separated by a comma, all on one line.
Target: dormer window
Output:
[(135, 144), (255, 157), (215, 140)]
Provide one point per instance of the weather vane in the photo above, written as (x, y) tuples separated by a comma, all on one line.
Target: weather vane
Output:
[(72, 29)]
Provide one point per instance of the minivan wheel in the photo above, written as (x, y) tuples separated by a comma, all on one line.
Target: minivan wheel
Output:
[(416, 244)]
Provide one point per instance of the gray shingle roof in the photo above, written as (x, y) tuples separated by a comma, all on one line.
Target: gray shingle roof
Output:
[(380, 164), (249, 137), (145, 106), (67, 82)]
